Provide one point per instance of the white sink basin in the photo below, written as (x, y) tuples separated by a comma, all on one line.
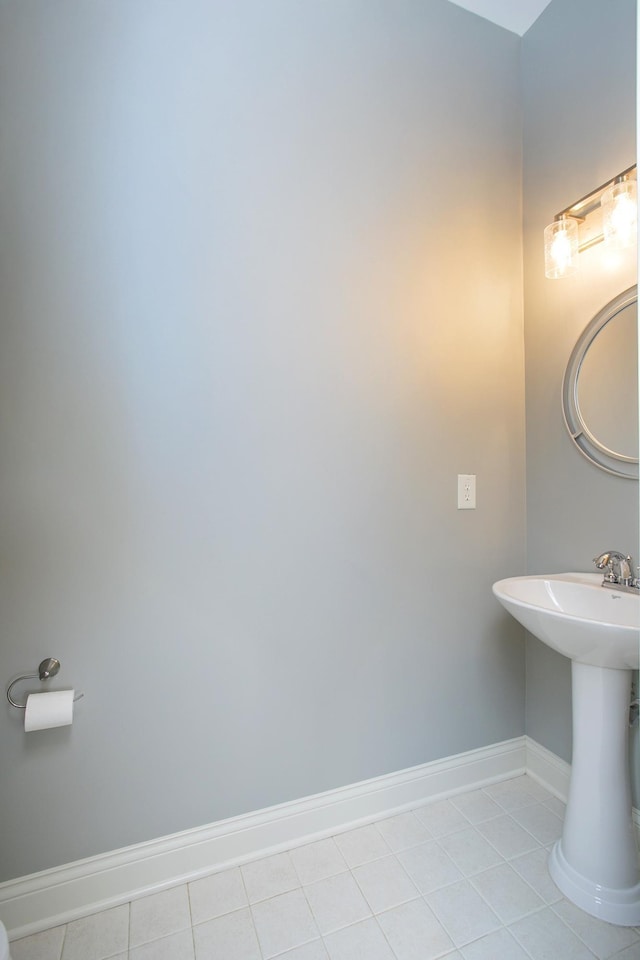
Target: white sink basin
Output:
[(575, 615)]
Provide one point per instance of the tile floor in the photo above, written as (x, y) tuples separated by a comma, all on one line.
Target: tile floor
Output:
[(462, 879)]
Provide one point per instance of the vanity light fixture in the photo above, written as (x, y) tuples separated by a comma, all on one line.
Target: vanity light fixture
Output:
[(561, 248), (620, 213), (615, 201)]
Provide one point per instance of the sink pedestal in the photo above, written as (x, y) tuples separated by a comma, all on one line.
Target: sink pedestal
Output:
[(595, 863)]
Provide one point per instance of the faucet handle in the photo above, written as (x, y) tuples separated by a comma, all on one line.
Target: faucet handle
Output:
[(625, 570)]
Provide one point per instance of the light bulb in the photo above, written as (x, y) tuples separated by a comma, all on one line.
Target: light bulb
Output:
[(561, 248), (620, 214)]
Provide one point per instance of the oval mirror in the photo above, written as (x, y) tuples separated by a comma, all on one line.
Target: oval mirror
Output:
[(600, 388)]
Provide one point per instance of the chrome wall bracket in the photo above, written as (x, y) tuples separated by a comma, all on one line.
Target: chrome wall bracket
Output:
[(49, 667)]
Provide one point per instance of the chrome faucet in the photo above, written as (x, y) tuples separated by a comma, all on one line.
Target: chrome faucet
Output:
[(617, 569)]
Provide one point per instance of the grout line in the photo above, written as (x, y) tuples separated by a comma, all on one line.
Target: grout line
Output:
[(193, 933), (62, 942), (568, 925), (521, 945), (306, 900)]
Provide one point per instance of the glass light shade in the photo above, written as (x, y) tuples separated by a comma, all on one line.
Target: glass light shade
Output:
[(620, 214), (561, 248)]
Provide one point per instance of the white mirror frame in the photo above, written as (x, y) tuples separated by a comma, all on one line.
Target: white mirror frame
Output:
[(589, 446)]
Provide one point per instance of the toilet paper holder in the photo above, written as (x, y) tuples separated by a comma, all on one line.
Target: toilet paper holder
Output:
[(49, 667)]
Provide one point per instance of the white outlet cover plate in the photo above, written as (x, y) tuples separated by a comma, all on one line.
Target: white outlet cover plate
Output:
[(466, 491)]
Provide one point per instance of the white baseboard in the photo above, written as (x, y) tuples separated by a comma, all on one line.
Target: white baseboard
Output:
[(51, 897), (548, 769), (65, 893)]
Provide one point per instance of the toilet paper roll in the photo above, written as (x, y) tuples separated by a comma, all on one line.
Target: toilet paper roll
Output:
[(46, 710)]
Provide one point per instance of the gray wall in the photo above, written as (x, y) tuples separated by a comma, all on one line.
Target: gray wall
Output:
[(260, 281), (579, 69)]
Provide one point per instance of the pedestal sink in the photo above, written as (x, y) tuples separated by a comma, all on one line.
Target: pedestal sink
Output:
[(595, 863)]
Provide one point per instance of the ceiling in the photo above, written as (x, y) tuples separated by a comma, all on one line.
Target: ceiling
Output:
[(514, 15)]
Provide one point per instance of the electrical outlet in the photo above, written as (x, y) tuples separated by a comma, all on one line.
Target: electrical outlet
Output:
[(466, 491)]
